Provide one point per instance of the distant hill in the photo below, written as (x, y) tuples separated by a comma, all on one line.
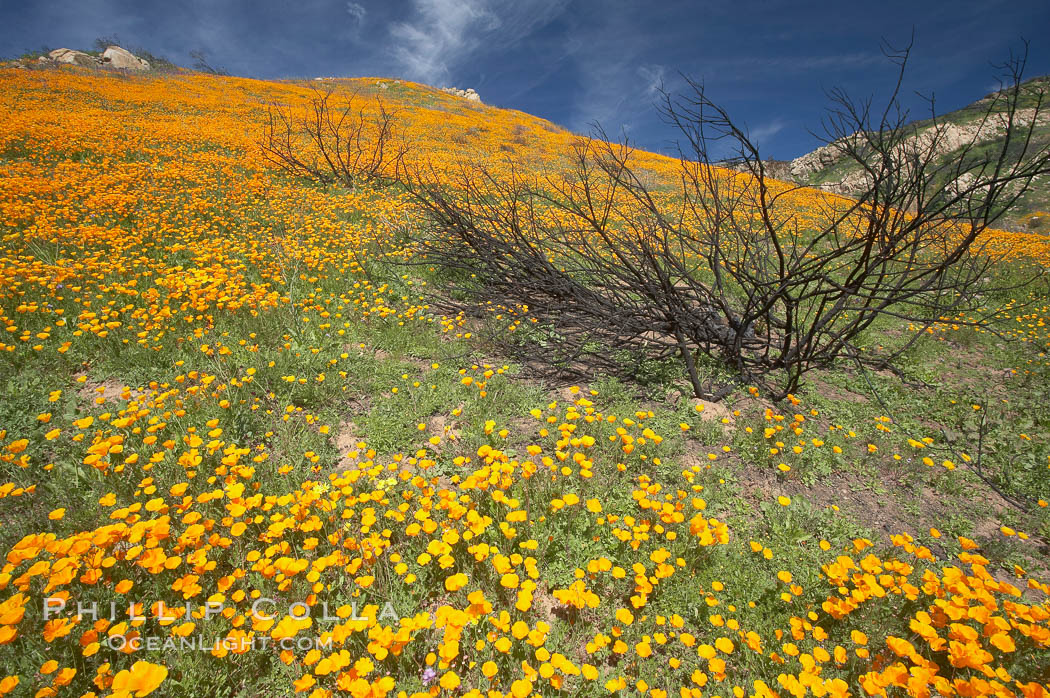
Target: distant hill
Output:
[(827, 169)]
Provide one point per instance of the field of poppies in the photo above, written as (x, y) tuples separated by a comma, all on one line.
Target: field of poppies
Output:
[(241, 453)]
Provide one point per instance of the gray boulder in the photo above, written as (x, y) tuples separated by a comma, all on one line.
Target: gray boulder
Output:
[(68, 55), (116, 57), (468, 94)]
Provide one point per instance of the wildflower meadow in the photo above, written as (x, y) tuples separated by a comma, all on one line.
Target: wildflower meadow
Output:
[(246, 451)]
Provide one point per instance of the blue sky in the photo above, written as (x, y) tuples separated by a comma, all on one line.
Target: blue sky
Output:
[(575, 62)]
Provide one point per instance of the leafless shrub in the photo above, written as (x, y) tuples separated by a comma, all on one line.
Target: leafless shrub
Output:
[(201, 65), (335, 141), (731, 265)]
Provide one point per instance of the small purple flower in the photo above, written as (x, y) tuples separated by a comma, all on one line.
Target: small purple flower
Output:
[(429, 675)]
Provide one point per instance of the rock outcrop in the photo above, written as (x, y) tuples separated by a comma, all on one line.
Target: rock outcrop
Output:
[(805, 165), (113, 57), (68, 55), (928, 144), (943, 139), (468, 94)]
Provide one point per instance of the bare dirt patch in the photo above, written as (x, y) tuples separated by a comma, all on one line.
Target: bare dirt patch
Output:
[(837, 394), (102, 392), (348, 440), (712, 411), (443, 426), (853, 498)]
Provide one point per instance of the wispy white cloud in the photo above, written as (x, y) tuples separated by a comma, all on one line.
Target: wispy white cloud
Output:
[(442, 34), (653, 78), (618, 87), (357, 12), (438, 34), (763, 133)]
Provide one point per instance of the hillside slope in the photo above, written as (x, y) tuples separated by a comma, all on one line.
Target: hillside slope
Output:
[(233, 423)]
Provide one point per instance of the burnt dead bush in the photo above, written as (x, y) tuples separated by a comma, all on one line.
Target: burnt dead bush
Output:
[(772, 280), (336, 140)]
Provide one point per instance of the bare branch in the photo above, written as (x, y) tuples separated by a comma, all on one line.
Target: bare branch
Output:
[(332, 142)]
